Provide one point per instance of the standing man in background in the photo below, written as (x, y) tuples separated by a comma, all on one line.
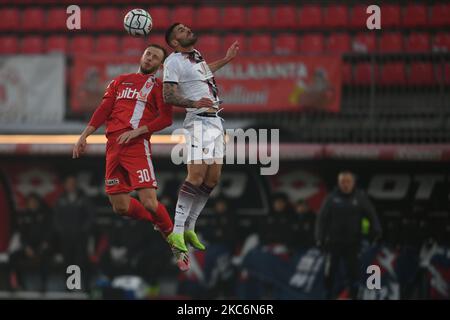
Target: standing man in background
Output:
[(338, 230)]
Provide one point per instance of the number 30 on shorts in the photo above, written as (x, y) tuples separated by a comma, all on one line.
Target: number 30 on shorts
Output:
[(143, 175)]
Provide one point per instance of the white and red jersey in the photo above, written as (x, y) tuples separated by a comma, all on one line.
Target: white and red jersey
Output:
[(130, 101)]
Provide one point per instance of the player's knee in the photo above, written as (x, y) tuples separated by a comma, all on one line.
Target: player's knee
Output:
[(195, 179), (150, 204), (120, 208), (212, 181)]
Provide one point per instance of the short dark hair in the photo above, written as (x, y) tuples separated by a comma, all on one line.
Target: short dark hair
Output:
[(169, 32), (154, 45)]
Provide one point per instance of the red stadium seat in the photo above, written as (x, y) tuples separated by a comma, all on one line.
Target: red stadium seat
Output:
[(32, 19), (440, 15), (32, 45), (358, 17), (346, 73), (157, 38), (160, 18), (260, 44), (9, 45), (88, 20), (132, 45), (9, 19), (390, 42), (109, 19), (285, 17), (233, 18), (286, 44), (184, 14), (339, 43), (363, 74), (310, 16), (230, 38), (390, 15), (312, 43), (206, 18), (421, 74), (392, 73), (418, 42), (336, 16), (107, 44), (56, 44), (443, 73), (364, 42), (441, 42), (258, 17), (81, 45), (56, 19), (209, 46), (414, 15)]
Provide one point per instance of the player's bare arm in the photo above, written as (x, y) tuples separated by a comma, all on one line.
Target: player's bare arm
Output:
[(173, 97), (231, 54), (80, 146)]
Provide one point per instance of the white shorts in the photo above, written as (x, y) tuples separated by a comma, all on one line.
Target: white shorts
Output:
[(204, 138)]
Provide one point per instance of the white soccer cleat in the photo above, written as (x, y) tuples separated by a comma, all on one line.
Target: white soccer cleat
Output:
[(182, 259)]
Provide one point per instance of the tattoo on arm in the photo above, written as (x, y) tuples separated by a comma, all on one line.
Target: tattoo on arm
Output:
[(173, 97)]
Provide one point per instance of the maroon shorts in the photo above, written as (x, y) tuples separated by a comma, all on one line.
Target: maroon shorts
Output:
[(128, 166)]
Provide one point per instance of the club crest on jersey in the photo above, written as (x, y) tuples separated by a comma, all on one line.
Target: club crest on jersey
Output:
[(146, 89)]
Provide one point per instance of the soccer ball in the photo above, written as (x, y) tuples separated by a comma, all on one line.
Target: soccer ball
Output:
[(138, 22)]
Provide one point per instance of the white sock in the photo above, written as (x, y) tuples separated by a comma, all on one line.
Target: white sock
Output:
[(186, 198), (197, 206)]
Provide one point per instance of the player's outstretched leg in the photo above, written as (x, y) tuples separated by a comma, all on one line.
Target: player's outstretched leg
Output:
[(186, 197), (211, 179), (163, 224)]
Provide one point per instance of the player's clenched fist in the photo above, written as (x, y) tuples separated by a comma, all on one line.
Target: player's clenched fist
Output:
[(79, 148), (203, 103)]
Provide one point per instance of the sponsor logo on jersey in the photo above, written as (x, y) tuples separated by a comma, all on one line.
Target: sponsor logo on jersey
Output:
[(112, 182), (128, 93)]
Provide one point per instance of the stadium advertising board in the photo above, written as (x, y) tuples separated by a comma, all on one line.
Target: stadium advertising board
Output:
[(247, 84)]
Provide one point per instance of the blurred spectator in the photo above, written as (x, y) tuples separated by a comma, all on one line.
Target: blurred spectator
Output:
[(276, 226), (32, 252), (221, 225), (338, 230), (221, 235), (168, 201), (132, 248), (303, 227), (73, 220)]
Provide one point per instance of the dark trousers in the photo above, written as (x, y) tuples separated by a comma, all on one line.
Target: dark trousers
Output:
[(348, 254)]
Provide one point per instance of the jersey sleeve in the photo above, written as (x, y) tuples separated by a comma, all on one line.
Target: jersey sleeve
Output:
[(172, 71), (104, 110)]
